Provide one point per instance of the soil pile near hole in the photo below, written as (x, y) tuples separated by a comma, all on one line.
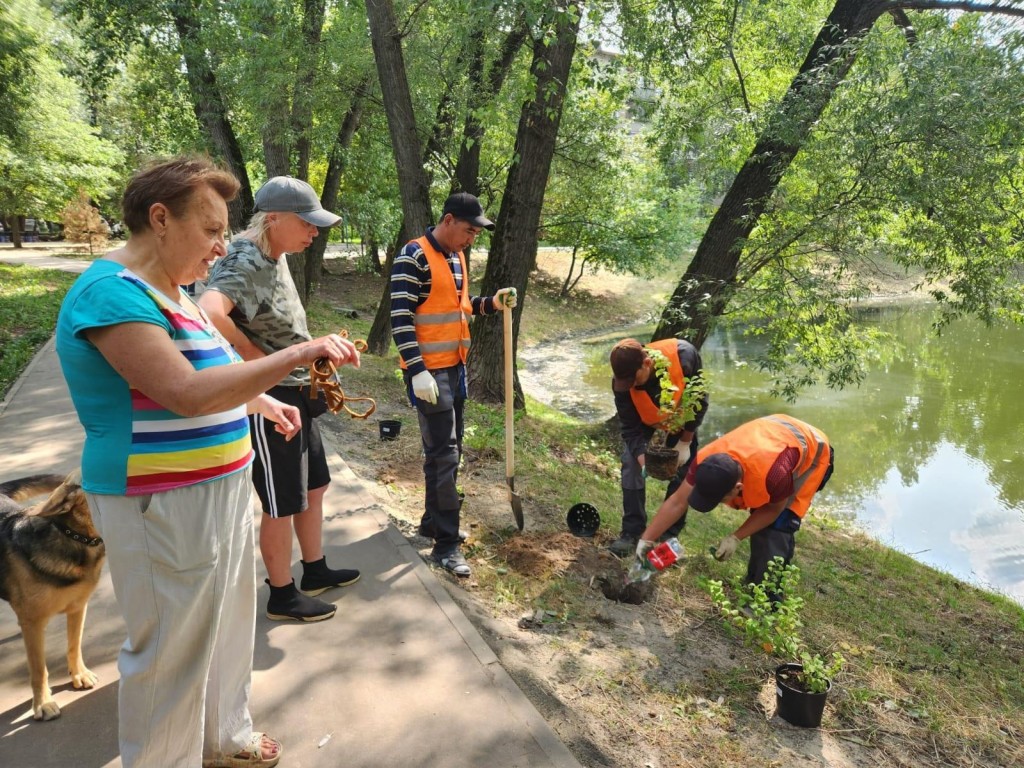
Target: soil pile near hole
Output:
[(562, 554)]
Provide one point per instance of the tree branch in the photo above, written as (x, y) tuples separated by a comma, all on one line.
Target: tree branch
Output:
[(732, 57), (407, 25), (1009, 8), (901, 20)]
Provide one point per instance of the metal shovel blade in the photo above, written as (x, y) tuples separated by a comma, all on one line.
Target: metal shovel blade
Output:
[(517, 503), (510, 461)]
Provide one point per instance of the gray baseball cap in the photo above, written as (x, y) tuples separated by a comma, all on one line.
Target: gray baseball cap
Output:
[(284, 194)]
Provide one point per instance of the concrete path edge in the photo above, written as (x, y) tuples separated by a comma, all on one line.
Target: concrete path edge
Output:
[(512, 694)]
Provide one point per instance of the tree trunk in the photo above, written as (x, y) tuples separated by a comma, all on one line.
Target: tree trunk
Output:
[(332, 183), (17, 229), (286, 120), (275, 151), (467, 168), (302, 99), (373, 249), (275, 114), (413, 186), (705, 289), (466, 177), (211, 112), (569, 282), (514, 244)]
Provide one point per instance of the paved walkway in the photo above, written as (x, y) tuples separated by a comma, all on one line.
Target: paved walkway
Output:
[(399, 677)]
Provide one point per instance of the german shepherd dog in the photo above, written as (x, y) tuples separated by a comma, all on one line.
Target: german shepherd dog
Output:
[(50, 560)]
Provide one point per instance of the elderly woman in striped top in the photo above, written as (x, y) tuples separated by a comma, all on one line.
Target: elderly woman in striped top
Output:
[(163, 399)]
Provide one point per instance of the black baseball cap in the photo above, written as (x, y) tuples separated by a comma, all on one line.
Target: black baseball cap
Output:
[(714, 477), (466, 207)]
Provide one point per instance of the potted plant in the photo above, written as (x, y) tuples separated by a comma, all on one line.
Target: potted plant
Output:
[(768, 615), (661, 461)]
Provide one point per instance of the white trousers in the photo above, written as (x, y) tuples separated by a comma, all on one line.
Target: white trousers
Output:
[(183, 569)]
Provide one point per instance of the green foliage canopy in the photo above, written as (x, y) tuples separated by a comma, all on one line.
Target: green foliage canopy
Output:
[(50, 151)]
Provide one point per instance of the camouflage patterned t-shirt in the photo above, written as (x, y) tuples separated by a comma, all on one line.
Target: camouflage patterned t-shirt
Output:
[(267, 306)]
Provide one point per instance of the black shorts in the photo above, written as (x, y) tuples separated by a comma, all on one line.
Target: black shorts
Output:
[(284, 471)]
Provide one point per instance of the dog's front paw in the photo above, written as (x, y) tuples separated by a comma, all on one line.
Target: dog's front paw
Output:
[(84, 678), (46, 710)]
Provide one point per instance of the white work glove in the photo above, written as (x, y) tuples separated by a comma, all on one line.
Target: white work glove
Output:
[(643, 547), (505, 298), (424, 387), (727, 548)]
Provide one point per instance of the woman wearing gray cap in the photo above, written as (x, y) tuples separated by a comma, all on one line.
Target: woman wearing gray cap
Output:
[(252, 300)]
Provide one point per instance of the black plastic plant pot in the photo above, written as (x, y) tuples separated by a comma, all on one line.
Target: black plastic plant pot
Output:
[(661, 463), (794, 705), (389, 429), (583, 520)]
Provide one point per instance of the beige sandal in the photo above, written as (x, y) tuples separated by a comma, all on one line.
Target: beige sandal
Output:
[(251, 756)]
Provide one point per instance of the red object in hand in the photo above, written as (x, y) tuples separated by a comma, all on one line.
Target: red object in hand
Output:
[(665, 554)]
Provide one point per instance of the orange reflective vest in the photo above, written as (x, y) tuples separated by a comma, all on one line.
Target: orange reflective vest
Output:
[(645, 406), (757, 444), (442, 321)]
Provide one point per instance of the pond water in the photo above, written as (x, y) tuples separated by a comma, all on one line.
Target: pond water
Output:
[(929, 448)]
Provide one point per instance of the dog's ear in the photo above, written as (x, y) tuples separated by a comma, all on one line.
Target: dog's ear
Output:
[(63, 498)]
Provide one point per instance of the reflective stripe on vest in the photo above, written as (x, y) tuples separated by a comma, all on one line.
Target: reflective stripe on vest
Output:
[(801, 477), (650, 413), (442, 321), (757, 444)]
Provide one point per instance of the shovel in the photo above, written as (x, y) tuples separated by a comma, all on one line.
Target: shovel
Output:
[(510, 396)]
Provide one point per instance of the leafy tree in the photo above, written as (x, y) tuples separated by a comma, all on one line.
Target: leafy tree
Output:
[(180, 25), (608, 200), (413, 184), (725, 263), (52, 151), (146, 110), (279, 79), (458, 87), (17, 41), (928, 181)]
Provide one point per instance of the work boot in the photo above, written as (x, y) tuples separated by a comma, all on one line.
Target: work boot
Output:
[(317, 577), (624, 546), (288, 603), (453, 562)]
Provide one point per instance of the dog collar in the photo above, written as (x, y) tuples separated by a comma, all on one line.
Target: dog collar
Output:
[(89, 541)]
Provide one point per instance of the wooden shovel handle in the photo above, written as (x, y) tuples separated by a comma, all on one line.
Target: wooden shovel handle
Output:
[(510, 462)]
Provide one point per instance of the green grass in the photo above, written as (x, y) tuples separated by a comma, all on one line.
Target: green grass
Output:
[(29, 302)]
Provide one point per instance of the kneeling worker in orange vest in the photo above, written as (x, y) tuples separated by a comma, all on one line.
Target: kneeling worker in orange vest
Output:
[(771, 466)]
